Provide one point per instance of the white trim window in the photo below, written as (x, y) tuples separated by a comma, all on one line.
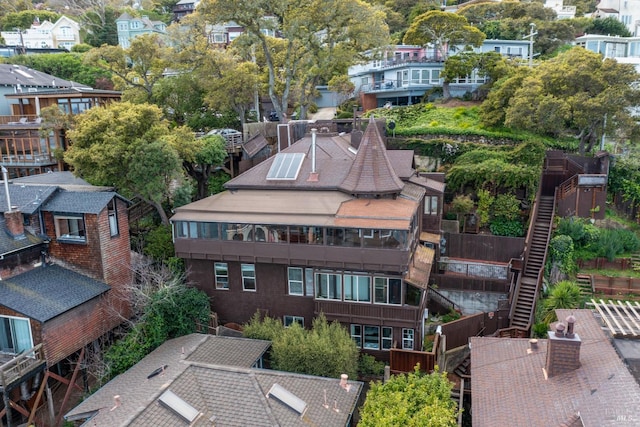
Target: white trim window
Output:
[(328, 286), (407, 339), (388, 290), (371, 338), (356, 334), (289, 320), (387, 337), (248, 277), (221, 272), (15, 335), (296, 281), (70, 228), (112, 212), (431, 205), (357, 288)]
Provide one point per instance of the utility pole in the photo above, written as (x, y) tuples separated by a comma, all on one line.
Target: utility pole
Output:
[(23, 51), (530, 37)]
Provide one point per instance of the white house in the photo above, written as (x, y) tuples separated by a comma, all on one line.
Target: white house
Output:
[(405, 73), (562, 11), (625, 11), (625, 50), (64, 33)]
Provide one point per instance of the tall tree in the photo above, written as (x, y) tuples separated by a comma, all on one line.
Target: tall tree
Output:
[(413, 399), (446, 31), (575, 93), (135, 70), (24, 18), (68, 66), (491, 65), (341, 29), (128, 146)]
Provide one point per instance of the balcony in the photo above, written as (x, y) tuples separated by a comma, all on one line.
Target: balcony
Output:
[(27, 159), (21, 365), (398, 315)]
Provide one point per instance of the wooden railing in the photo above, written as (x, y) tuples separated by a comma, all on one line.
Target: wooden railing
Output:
[(401, 361), (371, 311), (20, 365), (568, 187), (5, 120)]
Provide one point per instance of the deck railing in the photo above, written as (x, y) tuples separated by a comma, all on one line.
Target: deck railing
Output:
[(20, 365)]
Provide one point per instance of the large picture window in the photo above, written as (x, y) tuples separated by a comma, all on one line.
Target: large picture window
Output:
[(15, 335), (221, 271), (388, 290), (328, 286), (357, 288), (70, 228), (371, 338), (248, 277)]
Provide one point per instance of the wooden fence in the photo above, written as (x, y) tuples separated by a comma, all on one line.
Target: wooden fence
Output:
[(401, 361), (483, 247), (457, 333), (615, 285)]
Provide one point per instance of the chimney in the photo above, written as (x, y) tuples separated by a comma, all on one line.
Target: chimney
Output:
[(563, 349), (15, 226), (313, 176)]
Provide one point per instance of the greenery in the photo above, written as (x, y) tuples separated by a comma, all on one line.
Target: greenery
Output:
[(172, 310), (413, 399), (564, 294), (369, 366), (561, 253), (508, 228), (325, 350)]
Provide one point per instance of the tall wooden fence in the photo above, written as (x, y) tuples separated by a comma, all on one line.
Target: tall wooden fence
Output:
[(483, 247)]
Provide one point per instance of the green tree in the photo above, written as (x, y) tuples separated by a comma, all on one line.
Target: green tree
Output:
[(24, 18), (325, 350), (181, 98), (570, 95), (413, 399), (68, 66), (134, 70), (564, 294), (607, 26), (320, 38), (445, 31), (129, 146), (491, 65)]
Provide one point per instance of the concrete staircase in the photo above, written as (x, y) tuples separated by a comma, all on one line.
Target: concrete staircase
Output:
[(524, 302)]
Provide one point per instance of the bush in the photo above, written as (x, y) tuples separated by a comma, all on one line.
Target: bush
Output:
[(506, 207), (485, 201), (561, 251), (502, 227), (564, 294), (368, 365), (609, 244)]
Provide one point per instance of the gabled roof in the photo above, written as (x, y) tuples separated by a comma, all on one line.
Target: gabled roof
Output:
[(88, 202), (509, 387), (27, 199), (46, 292), (371, 172), (13, 75), (224, 395)]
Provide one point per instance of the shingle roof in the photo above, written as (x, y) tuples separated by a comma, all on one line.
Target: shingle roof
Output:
[(13, 75), (9, 244), (371, 171), (26, 199), (230, 351), (225, 395), (46, 292), (509, 387), (91, 202), (51, 178)]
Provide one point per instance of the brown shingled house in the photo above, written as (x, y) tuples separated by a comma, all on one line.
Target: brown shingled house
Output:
[(321, 227)]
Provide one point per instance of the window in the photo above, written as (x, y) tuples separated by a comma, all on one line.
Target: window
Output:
[(328, 286), (186, 229), (431, 205), (413, 295), (70, 227), (112, 211), (289, 320), (248, 277), (221, 271), (387, 337), (388, 290), (357, 288), (356, 334), (15, 335), (295, 281), (308, 281), (371, 338), (407, 339)]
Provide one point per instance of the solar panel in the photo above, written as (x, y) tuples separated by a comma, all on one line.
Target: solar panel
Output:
[(286, 166)]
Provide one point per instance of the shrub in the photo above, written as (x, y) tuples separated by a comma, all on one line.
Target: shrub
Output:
[(506, 207), (485, 201), (564, 294), (502, 227), (462, 204), (260, 328), (561, 251), (368, 365), (609, 244)]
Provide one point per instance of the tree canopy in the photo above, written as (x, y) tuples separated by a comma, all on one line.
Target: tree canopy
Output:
[(577, 93), (68, 66), (414, 399), (128, 146)]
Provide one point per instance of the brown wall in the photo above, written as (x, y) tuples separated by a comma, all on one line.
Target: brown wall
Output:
[(483, 247)]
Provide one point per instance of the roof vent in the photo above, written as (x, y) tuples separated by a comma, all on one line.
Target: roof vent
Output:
[(288, 398)]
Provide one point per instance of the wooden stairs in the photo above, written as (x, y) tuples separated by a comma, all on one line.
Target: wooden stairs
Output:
[(524, 303), (584, 283)]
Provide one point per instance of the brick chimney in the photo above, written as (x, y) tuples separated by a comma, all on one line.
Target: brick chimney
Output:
[(563, 349), (15, 225)]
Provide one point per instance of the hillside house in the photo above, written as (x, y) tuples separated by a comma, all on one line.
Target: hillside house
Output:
[(405, 73), (321, 227), (62, 34), (130, 27), (28, 145), (65, 266)]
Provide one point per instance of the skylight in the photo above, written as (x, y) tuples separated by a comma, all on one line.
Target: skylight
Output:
[(179, 406), (25, 74), (286, 166), (288, 398)]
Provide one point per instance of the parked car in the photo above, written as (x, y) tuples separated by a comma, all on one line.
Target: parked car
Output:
[(225, 132)]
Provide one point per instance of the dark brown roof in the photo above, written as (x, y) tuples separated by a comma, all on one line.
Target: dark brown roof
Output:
[(371, 172), (254, 145), (509, 387)]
